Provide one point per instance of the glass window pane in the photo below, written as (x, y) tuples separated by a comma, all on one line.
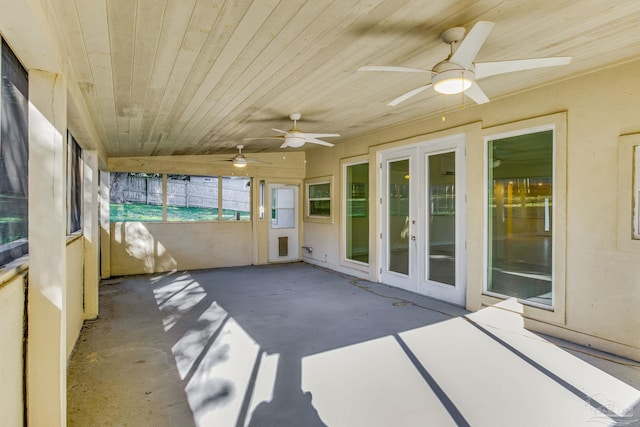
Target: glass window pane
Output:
[(236, 198), (520, 216), (192, 198), (135, 197), (357, 215), (398, 215), (442, 218), (283, 208), (319, 199), (14, 158), (318, 191), (320, 207), (262, 184), (74, 184)]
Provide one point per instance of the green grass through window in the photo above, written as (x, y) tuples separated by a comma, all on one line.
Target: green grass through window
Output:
[(123, 212)]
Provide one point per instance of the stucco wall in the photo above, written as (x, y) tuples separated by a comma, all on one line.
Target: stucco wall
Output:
[(75, 291), (11, 361), (138, 248), (602, 285)]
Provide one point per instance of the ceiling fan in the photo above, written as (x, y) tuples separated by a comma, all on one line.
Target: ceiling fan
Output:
[(458, 73), (295, 138), (241, 161)]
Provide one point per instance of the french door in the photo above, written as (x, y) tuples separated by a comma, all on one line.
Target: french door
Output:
[(423, 219)]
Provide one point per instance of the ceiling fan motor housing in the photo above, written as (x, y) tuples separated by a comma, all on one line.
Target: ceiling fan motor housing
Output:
[(294, 141), (450, 78)]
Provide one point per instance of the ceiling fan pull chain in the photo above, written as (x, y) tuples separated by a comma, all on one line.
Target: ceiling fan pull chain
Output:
[(462, 92), (443, 117)]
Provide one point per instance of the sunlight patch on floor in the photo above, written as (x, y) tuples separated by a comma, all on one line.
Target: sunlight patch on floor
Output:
[(368, 384)]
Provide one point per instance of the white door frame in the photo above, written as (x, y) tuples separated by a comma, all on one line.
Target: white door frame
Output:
[(417, 279)]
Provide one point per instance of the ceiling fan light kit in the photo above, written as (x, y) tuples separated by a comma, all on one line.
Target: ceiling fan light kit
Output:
[(295, 138), (294, 141), (241, 161), (451, 82), (458, 72)]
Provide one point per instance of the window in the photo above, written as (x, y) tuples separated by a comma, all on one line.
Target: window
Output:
[(139, 197), (135, 197), (236, 198), (14, 157), (357, 212), (262, 185), (520, 216), (192, 198), (319, 198), (628, 221), (74, 185), (283, 209)]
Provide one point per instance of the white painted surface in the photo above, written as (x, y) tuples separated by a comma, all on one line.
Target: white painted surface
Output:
[(47, 346), (285, 224), (75, 292), (190, 77), (11, 359)]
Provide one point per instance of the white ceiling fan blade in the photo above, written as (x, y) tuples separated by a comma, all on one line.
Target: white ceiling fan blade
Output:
[(254, 160), (408, 95), (319, 142), (471, 44), (474, 92), (318, 135), (284, 144), (262, 137), (392, 68), (280, 131), (486, 69)]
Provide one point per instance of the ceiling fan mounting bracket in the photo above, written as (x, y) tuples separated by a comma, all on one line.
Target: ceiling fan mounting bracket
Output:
[(452, 35), (295, 116)]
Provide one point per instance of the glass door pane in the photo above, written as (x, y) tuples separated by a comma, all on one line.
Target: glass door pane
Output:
[(398, 216), (441, 225), (357, 215), (282, 208), (520, 216)]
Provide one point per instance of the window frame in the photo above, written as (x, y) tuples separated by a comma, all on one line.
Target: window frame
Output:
[(328, 219), (217, 218), (75, 193), (628, 220), (19, 247), (345, 194), (556, 312)]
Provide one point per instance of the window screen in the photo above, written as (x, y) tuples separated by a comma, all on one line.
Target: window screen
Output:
[(14, 157)]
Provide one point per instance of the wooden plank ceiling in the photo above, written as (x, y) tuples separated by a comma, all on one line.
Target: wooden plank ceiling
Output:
[(163, 77)]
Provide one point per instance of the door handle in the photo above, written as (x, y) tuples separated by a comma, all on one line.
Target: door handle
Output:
[(413, 237)]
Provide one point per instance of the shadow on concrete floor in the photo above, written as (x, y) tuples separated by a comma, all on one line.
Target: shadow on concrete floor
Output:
[(295, 345)]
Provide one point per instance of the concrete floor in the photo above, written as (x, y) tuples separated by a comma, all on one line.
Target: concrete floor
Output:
[(295, 345)]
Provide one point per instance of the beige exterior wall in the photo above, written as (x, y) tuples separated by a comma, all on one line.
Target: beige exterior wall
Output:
[(139, 248), (55, 270), (152, 247), (602, 290), (75, 291), (11, 358)]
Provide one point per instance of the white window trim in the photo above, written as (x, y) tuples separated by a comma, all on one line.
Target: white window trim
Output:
[(317, 218), (628, 223), (343, 215), (556, 312)]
